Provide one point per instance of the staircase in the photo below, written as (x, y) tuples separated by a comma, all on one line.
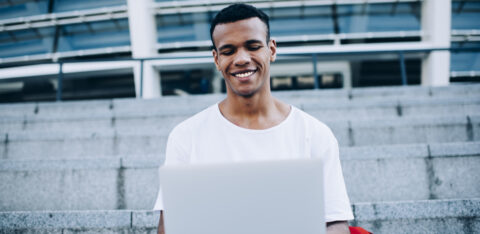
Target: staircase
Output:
[(410, 157)]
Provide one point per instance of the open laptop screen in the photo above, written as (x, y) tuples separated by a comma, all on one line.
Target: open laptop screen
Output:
[(280, 197)]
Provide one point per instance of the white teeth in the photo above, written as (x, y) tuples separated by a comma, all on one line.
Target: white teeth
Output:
[(241, 75)]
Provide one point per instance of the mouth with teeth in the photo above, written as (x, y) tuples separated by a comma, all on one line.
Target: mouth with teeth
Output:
[(244, 75)]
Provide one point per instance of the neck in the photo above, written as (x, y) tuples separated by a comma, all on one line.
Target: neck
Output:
[(251, 106), (259, 111)]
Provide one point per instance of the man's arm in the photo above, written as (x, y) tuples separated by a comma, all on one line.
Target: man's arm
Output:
[(161, 227), (337, 227)]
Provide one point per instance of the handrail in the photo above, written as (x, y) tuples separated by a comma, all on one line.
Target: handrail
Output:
[(312, 53), (196, 6), (207, 54)]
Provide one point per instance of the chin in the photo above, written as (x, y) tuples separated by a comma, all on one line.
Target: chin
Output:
[(245, 91), (245, 94)]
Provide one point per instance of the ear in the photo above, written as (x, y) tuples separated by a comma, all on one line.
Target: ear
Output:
[(215, 58), (273, 50)]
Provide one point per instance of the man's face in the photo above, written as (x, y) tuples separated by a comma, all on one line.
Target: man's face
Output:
[(243, 56)]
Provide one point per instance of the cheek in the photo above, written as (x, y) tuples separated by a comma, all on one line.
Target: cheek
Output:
[(224, 64), (264, 57)]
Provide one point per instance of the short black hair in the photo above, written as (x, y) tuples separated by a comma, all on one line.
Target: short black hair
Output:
[(238, 12)]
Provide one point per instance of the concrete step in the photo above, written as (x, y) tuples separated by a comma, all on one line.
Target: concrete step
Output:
[(149, 114), (434, 216), (191, 104), (400, 92), (387, 109), (387, 173), (149, 136)]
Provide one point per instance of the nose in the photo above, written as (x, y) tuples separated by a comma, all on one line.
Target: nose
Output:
[(242, 58)]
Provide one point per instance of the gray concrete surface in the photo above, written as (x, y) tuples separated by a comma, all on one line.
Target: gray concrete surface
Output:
[(65, 219), (467, 90), (74, 144), (132, 108), (414, 130), (150, 138), (63, 184), (405, 143), (191, 104), (436, 216), (382, 173)]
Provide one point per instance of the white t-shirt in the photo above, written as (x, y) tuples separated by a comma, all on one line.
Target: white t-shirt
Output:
[(208, 137)]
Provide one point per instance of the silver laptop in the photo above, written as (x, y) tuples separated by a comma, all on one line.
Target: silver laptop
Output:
[(277, 197)]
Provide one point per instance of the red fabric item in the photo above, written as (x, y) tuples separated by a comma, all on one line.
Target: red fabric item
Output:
[(358, 230)]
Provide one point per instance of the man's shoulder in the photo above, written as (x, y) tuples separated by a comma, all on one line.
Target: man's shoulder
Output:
[(309, 120), (197, 120), (314, 128)]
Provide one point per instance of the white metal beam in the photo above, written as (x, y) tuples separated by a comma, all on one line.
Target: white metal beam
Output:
[(359, 48), (456, 74), (465, 35), (68, 68), (143, 38), (66, 54), (354, 48), (305, 38), (436, 22), (29, 71)]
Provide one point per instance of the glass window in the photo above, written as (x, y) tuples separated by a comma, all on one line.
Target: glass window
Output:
[(465, 61), (310, 26), (174, 20), (15, 10), (38, 7), (26, 42), (75, 5), (300, 21), (392, 17), (466, 15), (175, 28), (94, 35)]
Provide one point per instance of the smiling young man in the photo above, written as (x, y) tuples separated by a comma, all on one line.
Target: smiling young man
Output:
[(250, 124)]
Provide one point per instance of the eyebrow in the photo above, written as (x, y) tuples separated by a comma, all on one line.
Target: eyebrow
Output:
[(249, 42), (227, 46)]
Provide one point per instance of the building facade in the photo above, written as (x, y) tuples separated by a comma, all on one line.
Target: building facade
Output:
[(67, 49)]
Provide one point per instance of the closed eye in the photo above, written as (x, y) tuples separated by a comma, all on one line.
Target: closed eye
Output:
[(253, 48), (253, 45), (226, 52), (227, 49)]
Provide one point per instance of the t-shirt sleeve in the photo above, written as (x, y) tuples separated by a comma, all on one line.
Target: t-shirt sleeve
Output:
[(337, 203), (175, 154)]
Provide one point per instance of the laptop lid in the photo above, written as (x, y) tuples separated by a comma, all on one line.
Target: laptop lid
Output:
[(281, 197)]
